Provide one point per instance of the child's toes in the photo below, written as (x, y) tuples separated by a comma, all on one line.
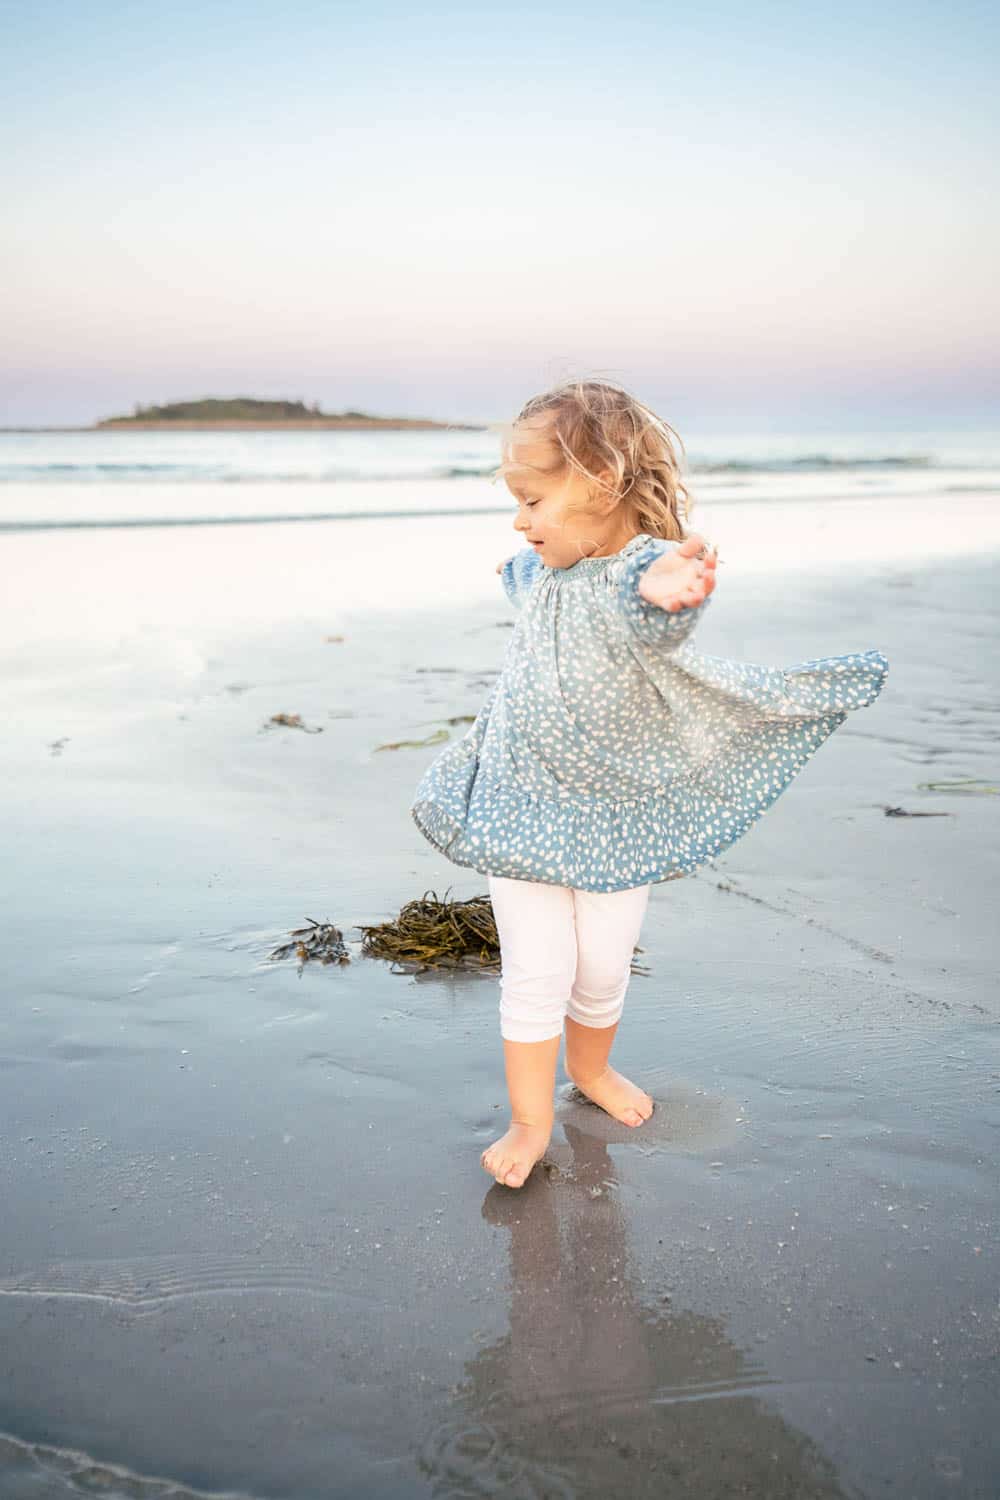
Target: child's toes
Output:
[(494, 1163), (510, 1159), (639, 1113)]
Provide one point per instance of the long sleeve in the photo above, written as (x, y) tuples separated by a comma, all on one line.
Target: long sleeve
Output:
[(664, 628), (519, 573)]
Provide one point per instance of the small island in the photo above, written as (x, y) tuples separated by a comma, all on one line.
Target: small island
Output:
[(220, 414)]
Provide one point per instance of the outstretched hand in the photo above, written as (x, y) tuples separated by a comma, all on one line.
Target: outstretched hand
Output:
[(681, 578)]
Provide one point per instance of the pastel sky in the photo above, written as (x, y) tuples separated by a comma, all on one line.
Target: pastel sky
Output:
[(773, 213)]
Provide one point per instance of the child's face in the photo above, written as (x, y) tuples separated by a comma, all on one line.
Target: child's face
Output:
[(555, 509)]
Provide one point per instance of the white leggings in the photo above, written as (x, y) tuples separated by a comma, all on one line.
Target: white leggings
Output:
[(562, 951)]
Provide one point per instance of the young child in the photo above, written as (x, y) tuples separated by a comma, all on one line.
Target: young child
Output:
[(609, 755)]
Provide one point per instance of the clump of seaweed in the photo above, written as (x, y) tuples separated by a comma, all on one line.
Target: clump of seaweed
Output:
[(319, 940), (435, 934), (428, 933)]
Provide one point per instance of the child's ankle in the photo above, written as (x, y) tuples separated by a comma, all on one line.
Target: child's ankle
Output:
[(533, 1119), (584, 1077)]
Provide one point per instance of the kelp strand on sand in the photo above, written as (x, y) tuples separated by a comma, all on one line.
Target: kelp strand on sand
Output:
[(902, 812), (437, 738), (965, 786), (428, 933)]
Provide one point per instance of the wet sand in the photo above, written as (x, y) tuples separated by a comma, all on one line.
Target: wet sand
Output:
[(247, 1244)]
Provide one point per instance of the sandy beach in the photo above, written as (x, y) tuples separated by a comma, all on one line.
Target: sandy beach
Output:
[(248, 1247)]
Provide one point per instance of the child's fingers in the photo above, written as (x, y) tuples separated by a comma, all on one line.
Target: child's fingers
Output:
[(695, 592), (695, 545)]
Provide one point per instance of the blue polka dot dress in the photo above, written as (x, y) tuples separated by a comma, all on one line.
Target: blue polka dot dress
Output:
[(610, 753)]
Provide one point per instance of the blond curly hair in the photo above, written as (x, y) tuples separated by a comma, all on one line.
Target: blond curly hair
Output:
[(601, 427)]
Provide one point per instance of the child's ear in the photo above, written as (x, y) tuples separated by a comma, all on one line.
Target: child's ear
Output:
[(609, 492)]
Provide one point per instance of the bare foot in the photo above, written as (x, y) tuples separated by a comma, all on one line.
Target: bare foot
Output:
[(512, 1157), (622, 1099)]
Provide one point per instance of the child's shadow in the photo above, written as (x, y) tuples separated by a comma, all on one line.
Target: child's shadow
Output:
[(601, 1387)]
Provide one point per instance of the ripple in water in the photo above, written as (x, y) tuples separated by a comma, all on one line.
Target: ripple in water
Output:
[(146, 1283), (467, 1459)]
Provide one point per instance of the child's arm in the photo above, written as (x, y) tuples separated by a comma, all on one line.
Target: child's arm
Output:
[(665, 589), (518, 573)]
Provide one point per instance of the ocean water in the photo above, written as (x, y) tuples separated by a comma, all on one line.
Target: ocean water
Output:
[(80, 478)]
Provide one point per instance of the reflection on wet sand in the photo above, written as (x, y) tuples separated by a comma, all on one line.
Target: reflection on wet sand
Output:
[(598, 1390)]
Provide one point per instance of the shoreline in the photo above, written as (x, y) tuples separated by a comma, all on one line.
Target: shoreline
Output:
[(325, 424)]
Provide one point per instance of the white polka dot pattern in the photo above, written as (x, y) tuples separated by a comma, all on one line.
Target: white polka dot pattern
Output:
[(609, 752)]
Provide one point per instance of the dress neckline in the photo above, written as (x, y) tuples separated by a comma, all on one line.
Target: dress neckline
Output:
[(594, 564)]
